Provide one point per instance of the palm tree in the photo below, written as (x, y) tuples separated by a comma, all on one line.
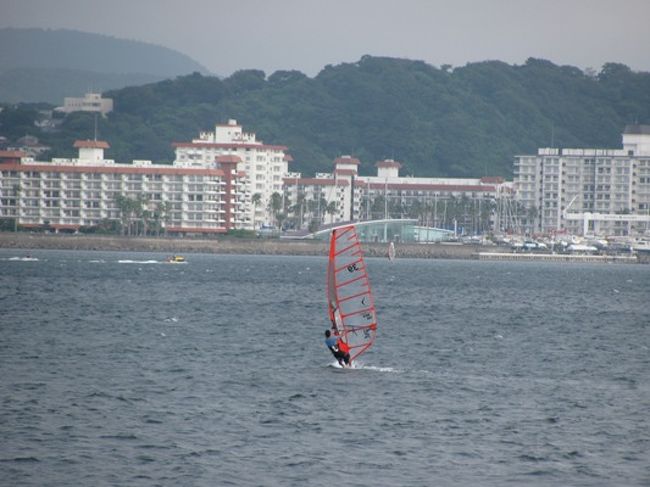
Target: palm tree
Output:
[(378, 207), (330, 209), (142, 213), (161, 215), (532, 215), (124, 205), (299, 208), (275, 206), (131, 211), (257, 199), (17, 189)]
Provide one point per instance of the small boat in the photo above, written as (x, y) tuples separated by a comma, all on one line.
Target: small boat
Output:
[(176, 259)]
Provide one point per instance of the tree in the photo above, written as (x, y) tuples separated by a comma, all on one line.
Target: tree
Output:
[(17, 189), (331, 209), (160, 215), (532, 214), (141, 213), (256, 200), (374, 107), (275, 207), (131, 213)]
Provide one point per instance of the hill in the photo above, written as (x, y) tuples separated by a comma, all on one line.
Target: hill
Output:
[(46, 65), (468, 121)]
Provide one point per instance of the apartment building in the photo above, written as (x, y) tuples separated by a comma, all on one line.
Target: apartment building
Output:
[(90, 102), (588, 191), (67, 194), (263, 165)]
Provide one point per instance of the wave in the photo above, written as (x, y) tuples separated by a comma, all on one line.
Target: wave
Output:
[(361, 366), (128, 261)]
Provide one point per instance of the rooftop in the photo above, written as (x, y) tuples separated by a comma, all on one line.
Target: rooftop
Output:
[(637, 129), (91, 144)]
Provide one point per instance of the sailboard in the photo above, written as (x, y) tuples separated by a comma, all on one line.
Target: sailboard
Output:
[(350, 302), (391, 251)]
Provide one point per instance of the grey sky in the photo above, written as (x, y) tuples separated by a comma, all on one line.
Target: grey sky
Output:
[(306, 35)]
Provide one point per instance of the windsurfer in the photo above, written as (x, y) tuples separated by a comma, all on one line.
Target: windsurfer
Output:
[(339, 348)]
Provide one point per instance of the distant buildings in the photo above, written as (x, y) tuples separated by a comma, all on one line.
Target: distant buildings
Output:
[(227, 179), (91, 102), (588, 191), (30, 146), (472, 205), (68, 194), (263, 166)]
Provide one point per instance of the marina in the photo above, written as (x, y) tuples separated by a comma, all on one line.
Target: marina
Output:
[(591, 259)]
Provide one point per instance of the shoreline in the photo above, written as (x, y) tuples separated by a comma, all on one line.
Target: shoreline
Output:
[(220, 245), (226, 245)]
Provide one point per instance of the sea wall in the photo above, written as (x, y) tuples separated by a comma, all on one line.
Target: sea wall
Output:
[(230, 245), (220, 245)]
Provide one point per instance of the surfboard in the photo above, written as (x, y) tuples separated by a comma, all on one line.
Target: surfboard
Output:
[(351, 306)]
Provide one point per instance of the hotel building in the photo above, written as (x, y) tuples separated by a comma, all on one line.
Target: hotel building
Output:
[(343, 195), (91, 102), (67, 194), (588, 191), (263, 166)]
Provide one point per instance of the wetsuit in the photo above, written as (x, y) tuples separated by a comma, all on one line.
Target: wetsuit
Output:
[(333, 344)]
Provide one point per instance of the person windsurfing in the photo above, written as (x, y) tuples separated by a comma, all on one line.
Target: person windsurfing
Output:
[(338, 347)]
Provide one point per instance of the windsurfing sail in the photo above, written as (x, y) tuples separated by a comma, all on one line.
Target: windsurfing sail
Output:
[(350, 302), (391, 251)]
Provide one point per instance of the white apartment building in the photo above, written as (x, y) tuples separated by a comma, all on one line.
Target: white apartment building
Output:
[(68, 194), (91, 102), (603, 192), (264, 166), (434, 201)]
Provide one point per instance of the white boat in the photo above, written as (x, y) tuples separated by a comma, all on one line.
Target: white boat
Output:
[(582, 248)]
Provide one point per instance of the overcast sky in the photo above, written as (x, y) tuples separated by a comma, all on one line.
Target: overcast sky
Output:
[(306, 35)]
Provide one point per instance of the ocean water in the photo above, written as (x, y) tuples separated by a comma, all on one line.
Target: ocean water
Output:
[(117, 369)]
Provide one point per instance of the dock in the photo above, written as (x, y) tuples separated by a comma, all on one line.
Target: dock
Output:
[(530, 256)]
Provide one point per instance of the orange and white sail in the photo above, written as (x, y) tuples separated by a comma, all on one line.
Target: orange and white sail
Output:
[(350, 302)]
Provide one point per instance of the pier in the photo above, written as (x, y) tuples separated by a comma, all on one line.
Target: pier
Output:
[(626, 259)]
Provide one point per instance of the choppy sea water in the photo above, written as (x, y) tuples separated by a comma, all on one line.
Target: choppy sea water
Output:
[(120, 370)]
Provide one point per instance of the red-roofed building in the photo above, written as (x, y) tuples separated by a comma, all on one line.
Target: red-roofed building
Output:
[(345, 161), (67, 194), (11, 156), (435, 201), (91, 150), (91, 144)]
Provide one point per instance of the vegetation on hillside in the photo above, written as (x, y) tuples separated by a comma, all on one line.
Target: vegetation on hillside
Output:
[(467, 121)]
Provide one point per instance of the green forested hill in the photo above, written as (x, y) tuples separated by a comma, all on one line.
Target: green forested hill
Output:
[(468, 121)]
